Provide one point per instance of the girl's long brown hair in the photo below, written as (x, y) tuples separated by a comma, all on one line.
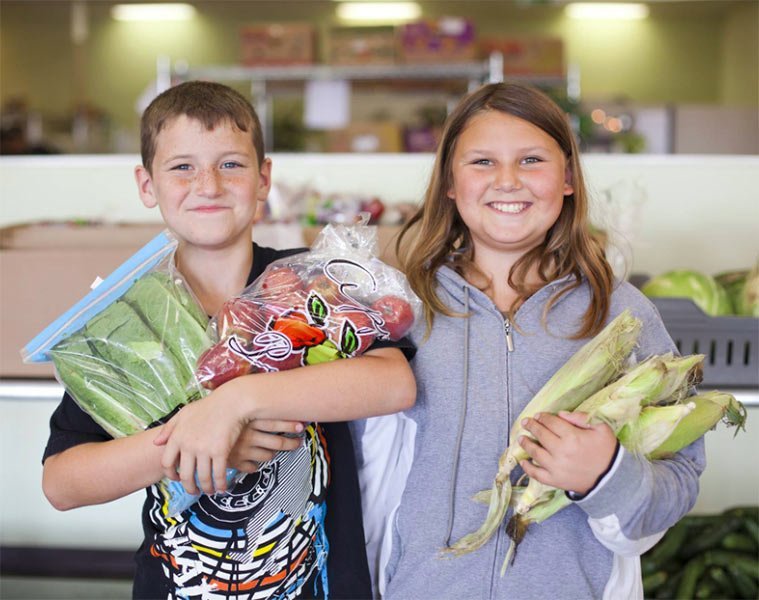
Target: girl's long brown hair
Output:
[(436, 234)]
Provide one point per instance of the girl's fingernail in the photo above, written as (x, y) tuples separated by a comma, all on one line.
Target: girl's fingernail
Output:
[(524, 422), (299, 427)]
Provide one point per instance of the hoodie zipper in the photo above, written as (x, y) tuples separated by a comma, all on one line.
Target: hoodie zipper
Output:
[(507, 331)]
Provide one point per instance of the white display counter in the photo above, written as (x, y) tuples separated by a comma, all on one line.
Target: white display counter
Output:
[(675, 211)]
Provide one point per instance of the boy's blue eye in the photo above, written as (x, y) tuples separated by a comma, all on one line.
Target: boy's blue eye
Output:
[(230, 164), (182, 167)]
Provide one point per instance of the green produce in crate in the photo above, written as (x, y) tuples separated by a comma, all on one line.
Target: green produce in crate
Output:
[(703, 289)]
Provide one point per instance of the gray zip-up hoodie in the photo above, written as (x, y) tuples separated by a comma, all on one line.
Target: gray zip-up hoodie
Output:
[(471, 387)]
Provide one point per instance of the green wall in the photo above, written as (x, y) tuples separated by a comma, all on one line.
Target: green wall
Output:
[(692, 52)]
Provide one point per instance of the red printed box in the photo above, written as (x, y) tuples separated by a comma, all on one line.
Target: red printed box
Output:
[(536, 56), (447, 39), (277, 44)]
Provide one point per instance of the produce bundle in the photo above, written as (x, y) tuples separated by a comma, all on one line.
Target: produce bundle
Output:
[(139, 346), (127, 351), (646, 405), (706, 556)]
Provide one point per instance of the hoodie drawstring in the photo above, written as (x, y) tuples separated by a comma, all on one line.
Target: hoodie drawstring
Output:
[(462, 419)]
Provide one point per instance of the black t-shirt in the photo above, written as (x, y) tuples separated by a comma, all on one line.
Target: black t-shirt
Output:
[(208, 542)]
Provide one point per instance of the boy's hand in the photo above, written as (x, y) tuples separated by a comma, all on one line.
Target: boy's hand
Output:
[(199, 439), (259, 442), (569, 454)]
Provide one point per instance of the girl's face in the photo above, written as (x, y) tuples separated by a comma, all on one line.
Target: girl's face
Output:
[(509, 182)]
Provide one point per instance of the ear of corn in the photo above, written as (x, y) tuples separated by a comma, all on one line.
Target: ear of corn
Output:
[(653, 427), (588, 370), (710, 408), (655, 379)]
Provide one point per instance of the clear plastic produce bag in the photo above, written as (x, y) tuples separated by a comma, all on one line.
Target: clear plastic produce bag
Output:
[(127, 352), (325, 304)]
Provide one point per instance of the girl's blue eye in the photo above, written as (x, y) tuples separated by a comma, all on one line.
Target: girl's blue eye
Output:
[(482, 161), (532, 160)]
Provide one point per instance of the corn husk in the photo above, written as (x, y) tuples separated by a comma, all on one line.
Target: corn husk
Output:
[(599, 361), (710, 408)]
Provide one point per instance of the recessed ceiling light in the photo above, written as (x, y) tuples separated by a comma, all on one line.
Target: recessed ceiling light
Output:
[(607, 10), (153, 12), (374, 12)]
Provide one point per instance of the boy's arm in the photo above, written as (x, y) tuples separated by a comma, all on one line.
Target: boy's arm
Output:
[(97, 472), (201, 435)]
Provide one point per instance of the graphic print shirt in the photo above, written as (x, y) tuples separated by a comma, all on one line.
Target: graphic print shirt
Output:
[(264, 539)]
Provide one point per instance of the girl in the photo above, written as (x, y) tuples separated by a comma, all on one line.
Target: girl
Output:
[(513, 285)]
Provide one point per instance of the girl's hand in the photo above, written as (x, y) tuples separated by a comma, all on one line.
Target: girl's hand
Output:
[(199, 439), (569, 454), (259, 442)]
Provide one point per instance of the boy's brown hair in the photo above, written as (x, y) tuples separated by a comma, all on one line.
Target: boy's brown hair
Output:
[(205, 101)]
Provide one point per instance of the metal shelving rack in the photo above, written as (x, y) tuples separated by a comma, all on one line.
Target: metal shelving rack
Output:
[(474, 73)]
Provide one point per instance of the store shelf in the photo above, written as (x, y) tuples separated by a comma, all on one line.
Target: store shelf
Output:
[(473, 74)]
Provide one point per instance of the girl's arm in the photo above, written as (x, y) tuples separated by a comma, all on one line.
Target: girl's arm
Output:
[(98, 472), (200, 436)]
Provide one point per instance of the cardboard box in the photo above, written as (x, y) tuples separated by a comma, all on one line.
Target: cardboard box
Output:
[(533, 56), (45, 269), (277, 44), (443, 40), (361, 46), (381, 136)]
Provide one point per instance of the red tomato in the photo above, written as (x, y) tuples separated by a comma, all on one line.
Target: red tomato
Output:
[(397, 313)]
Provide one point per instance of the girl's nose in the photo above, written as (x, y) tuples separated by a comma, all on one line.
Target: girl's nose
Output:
[(507, 178), (207, 183)]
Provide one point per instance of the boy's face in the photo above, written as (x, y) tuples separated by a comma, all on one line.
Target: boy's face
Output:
[(207, 184)]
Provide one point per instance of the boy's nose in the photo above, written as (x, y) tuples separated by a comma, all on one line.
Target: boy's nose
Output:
[(207, 183)]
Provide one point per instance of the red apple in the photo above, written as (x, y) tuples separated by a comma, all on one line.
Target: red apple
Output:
[(397, 313), (219, 364), (327, 289), (281, 281)]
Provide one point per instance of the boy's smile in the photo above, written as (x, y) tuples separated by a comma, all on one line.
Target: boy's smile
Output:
[(206, 183)]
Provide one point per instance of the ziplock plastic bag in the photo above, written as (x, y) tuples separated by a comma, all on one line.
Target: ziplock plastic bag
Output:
[(329, 303), (127, 352)]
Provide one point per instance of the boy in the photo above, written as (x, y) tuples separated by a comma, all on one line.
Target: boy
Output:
[(203, 165)]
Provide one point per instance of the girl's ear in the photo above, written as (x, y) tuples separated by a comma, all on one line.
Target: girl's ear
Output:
[(145, 187), (568, 186)]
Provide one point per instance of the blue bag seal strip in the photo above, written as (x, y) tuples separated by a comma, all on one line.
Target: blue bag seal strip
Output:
[(108, 291)]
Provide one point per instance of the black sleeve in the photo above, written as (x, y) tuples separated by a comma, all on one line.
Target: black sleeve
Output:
[(347, 565), (405, 345), (71, 426)]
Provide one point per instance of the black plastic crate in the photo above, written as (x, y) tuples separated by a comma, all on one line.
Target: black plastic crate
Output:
[(730, 344)]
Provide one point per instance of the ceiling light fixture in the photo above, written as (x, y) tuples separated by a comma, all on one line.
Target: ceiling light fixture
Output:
[(376, 12), (153, 12), (606, 10)]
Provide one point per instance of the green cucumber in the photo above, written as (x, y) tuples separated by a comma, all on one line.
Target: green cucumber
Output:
[(692, 572), (654, 581), (736, 540)]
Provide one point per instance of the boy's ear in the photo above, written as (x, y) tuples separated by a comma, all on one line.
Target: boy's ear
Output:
[(569, 188), (145, 186), (264, 180)]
